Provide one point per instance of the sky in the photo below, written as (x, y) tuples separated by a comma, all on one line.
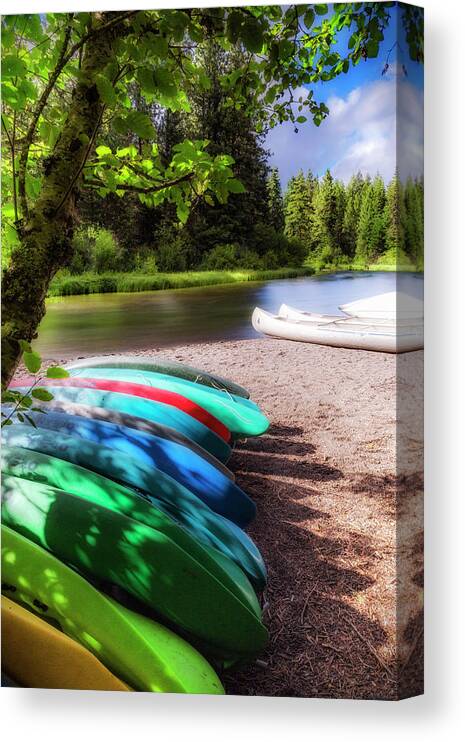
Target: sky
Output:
[(372, 116)]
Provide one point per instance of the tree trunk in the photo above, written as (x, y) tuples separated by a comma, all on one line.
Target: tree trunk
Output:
[(46, 234)]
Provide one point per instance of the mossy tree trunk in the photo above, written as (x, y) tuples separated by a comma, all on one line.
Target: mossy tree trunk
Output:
[(47, 230)]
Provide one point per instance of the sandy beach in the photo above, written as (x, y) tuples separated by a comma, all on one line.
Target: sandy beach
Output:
[(338, 486)]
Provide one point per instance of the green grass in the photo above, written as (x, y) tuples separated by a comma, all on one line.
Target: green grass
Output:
[(387, 262), (91, 283)]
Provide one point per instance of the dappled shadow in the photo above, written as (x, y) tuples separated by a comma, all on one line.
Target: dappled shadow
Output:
[(320, 645), (154, 563), (35, 578), (154, 485), (157, 412), (184, 465)]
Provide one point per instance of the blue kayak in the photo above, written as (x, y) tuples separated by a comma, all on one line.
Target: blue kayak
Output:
[(130, 421), (241, 416), (182, 464), (157, 412), (153, 485)]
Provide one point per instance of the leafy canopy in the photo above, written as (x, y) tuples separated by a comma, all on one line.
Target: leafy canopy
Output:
[(287, 49)]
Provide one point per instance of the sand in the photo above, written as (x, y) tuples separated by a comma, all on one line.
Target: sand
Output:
[(338, 485)]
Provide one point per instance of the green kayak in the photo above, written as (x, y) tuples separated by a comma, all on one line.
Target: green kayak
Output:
[(142, 560), (76, 480), (164, 366), (241, 416), (148, 656)]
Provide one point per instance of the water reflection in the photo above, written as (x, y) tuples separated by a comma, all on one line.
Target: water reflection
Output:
[(101, 323)]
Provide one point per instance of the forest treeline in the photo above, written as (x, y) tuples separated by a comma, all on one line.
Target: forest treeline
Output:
[(320, 222)]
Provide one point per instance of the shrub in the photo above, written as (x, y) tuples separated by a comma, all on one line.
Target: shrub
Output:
[(107, 254), (145, 261), (221, 257), (279, 249), (83, 243), (249, 259)]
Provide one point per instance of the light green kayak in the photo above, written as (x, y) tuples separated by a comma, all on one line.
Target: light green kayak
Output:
[(148, 656), (143, 561)]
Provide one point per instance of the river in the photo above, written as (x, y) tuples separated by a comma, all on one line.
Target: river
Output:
[(116, 323)]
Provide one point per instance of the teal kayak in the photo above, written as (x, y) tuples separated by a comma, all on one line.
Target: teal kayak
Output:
[(241, 416), (162, 365), (143, 561), (146, 409), (151, 484)]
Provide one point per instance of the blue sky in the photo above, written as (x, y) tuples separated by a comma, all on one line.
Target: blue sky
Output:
[(371, 118)]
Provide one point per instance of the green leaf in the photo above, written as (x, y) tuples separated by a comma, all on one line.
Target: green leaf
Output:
[(30, 420), (182, 211), (164, 82), (119, 125), (141, 125), (252, 35), (106, 90), (235, 186), (43, 394), (146, 80), (301, 119), (103, 150), (32, 361), (57, 372), (6, 422), (25, 346), (309, 17), (13, 66), (321, 9), (372, 49)]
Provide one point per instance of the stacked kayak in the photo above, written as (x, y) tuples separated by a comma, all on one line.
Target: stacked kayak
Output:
[(125, 561), (390, 323)]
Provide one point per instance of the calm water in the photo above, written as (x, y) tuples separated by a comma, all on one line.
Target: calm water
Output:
[(108, 323)]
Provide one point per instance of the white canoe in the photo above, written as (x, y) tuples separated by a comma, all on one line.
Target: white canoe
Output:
[(288, 312), (394, 305), (341, 332)]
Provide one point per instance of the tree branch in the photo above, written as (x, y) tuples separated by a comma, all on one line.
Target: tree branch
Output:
[(140, 189), (62, 61), (41, 103)]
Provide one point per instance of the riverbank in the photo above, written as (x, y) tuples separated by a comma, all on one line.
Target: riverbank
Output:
[(338, 523), (105, 283)]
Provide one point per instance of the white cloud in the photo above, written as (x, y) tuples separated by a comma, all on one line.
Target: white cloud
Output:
[(361, 132)]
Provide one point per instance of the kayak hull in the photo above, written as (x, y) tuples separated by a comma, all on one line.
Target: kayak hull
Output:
[(162, 365), (145, 654), (240, 416), (209, 484), (143, 561), (146, 409), (38, 655), (155, 487)]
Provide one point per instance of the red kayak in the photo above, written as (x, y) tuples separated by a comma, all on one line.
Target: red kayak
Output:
[(140, 390)]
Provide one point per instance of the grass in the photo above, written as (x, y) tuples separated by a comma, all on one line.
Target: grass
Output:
[(390, 261), (91, 283)]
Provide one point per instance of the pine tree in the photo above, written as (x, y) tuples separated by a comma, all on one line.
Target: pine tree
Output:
[(363, 244), (327, 220), (231, 131), (298, 209), (353, 193), (414, 221), (275, 201), (378, 236), (395, 218)]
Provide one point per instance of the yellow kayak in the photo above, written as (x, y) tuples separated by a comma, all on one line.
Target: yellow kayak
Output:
[(38, 655)]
